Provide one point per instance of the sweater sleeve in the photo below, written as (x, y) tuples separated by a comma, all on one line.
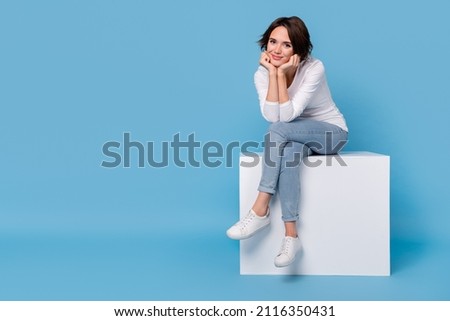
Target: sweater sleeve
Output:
[(303, 94), (269, 110)]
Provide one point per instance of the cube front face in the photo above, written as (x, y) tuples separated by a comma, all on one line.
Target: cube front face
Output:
[(344, 218)]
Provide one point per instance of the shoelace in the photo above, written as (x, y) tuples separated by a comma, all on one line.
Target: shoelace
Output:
[(247, 219), (287, 243)]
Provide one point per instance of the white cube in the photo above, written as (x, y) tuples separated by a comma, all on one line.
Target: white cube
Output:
[(344, 217)]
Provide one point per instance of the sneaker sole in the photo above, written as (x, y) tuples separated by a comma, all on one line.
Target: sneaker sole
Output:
[(249, 235), (286, 264)]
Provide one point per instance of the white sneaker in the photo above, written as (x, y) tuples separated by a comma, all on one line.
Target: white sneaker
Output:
[(289, 248), (248, 226)]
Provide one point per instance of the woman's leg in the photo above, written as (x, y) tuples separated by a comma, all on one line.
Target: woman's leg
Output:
[(270, 173), (319, 137), (289, 184), (261, 205), (289, 191), (291, 143), (286, 146)]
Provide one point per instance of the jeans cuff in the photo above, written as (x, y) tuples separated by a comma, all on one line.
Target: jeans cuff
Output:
[(290, 218), (266, 189)]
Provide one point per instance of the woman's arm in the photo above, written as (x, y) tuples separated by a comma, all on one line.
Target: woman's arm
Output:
[(272, 91), (295, 105), (284, 72), (267, 87)]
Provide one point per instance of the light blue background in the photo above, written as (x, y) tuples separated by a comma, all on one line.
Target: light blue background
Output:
[(76, 74)]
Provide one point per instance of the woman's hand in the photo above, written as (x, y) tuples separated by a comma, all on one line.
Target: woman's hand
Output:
[(264, 61), (290, 66)]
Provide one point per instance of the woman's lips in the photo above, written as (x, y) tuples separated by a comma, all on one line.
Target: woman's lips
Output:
[(274, 57)]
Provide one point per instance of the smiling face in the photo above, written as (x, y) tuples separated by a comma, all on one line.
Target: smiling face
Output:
[(279, 46)]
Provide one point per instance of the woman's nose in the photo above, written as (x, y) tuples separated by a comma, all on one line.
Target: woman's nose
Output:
[(278, 48)]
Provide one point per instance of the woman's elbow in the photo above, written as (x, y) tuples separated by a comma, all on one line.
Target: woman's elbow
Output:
[(287, 113), (272, 119), (287, 118)]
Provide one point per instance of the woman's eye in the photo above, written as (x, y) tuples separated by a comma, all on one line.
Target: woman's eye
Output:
[(287, 45), (271, 41)]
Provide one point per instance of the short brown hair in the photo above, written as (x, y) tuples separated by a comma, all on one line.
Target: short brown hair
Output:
[(298, 34)]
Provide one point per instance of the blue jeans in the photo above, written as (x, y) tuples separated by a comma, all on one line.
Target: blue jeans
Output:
[(285, 146)]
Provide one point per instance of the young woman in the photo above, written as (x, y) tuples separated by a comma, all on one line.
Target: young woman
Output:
[(295, 98)]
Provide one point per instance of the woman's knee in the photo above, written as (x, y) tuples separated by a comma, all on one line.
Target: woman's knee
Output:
[(279, 128), (279, 132)]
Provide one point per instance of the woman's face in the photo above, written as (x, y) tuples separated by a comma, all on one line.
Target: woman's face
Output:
[(279, 46)]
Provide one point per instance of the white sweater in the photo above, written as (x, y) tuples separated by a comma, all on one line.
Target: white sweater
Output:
[(309, 96)]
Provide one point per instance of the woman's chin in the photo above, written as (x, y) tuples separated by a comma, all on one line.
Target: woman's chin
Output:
[(277, 63)]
